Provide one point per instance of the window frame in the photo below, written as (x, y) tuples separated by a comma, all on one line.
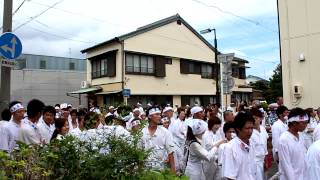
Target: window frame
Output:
[(207, 75), (45, 64), (99, 73), (74, 66), (139, 72)]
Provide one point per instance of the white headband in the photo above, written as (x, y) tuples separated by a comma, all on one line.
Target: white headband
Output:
[(135, 123), (165, 120), (167, 109), (154, 111), (298, 118), (16, 107)]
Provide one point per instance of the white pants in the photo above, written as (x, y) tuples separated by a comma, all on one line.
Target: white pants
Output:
[(210, 169), (194, 171), (260, 170)]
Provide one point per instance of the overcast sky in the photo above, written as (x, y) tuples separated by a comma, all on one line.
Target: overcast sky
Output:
[(248, 28)]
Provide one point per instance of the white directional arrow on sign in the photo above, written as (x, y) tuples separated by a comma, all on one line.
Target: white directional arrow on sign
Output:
[(13, 48)]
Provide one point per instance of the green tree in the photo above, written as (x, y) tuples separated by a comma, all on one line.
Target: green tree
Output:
[(272, 89), (276, 84)]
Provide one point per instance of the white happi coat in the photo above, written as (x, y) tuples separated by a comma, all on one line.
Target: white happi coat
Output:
[(210, 167), (197, 154), (238, 160), (259, 141), (292, 152), (277, 129), (313, 161), (160, 144)]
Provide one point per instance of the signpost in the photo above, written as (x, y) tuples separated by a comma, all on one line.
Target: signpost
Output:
[(10, 46), (126, 94), (226, 79)]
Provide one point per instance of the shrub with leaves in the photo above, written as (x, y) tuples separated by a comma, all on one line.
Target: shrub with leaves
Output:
[(106, 156)]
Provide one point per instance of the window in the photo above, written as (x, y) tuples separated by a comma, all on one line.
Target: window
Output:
[(72, 66), (235, 71), (104, 65), (99, 68), (206, 71), (242, 73), (43, 64), (191, 67), (196, 67), (21, 64), (139, 64)]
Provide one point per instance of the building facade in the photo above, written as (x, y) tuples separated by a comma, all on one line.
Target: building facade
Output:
[(166, 62), (300, 40), (48, 78)]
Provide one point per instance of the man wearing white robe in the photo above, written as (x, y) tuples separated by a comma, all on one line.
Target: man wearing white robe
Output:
[(29, 133), (313, 161), (11, 130), (46, 124), (238, 159), (291, 149), (159, 140), (278, 128)]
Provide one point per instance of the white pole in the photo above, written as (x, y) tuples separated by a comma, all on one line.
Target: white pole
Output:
[(221, 90)]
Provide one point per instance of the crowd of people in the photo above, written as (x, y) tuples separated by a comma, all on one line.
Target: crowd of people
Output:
[(201, 142)]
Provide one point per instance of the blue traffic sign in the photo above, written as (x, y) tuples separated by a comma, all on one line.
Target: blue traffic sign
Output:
[(126, 92), (10, 45)]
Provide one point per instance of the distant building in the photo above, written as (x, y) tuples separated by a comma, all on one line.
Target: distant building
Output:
[(47, 78), (253, 79), (300, 41), (166, 62)]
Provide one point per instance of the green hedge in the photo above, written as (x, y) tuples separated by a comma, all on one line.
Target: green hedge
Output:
[(73, 159)]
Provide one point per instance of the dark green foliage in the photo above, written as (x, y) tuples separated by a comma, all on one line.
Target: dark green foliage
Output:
[(272, 89), (72, 159)]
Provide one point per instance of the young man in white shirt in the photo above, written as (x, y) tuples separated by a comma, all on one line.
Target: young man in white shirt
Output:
[(313, 161), (179, 133), (291, 149), (230, 133), (46, 125), (168, 113), (238, 161), (159, 140), (228, 117), (29, 133), (279, 127), (11, 130), (259, 140), (197, 113)]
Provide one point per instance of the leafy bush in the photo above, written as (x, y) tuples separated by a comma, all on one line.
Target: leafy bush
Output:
[(113, 157)]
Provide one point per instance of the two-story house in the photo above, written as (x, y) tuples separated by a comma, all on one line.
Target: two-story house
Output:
[(166, 62)]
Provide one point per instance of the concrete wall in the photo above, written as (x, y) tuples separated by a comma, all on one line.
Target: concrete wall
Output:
[(299, 34), (171, 40), (174, 83), (50, 86)]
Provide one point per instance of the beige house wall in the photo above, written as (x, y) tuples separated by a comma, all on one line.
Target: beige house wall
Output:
[(101, 50), (171, 40), (173, 84), (300, 34)]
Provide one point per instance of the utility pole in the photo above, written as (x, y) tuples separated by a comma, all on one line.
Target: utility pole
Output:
[(6, 71), (217, 66)]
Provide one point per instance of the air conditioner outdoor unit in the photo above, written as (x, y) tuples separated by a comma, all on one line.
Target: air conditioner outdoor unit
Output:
[(84, 84)]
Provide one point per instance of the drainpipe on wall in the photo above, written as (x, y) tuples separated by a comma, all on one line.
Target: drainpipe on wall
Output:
[(125, 99)]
